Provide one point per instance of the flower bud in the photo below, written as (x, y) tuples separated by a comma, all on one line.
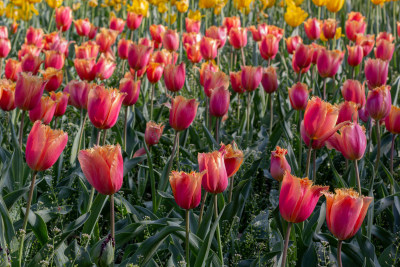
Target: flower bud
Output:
[(298, 96), (279, 165), (269, 80), (219, 101), (379, 102), (153, 133)]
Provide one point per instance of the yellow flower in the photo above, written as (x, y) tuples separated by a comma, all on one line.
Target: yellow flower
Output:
[(334, 5), (267, 3), (76, 6), (172, 17), (2, 8), (207, 3), (294, 2), (139, 7), (182, 5), (319, 2), (194, 15), (242, 5), (338, 34), (378, 2), (54, 3), (93, 3), (162, 8), (295, 16)]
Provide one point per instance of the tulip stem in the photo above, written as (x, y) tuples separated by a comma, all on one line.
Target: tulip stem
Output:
[(51, 20), (112, 217), (285, 248), (203, 202), (248, 116), (217, 129), (221, 257), (187, 239), (126, 126), (176, 144), (151, 101), (391, 155), (1, 67), (325, 88), (271, 113), (82, 129), (243, 57), (339, 253), (21, 128), (104, 136), (230, 189), (377, 20), (314, 177), (300, 143), (238, 108), (378, 149), (357, 176), (28, 207), (308, 160)]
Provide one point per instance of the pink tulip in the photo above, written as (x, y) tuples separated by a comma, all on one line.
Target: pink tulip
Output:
[(238, 37), (132, 90), (174, 77), (279, 165), (251, 77), (44, 111), (328, 62), (376, 72), (28, 91), (353, 91), (215, 179), (269, 80), (219, 101), (63, 18), (379, 102), (182, 113), (298, 96), (269, 47), (312, 27), (356, 54)]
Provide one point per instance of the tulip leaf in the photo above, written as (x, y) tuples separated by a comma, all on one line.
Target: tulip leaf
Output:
[(95, 211), (11, 198), (210, 139), (38, 226), (8, 229)]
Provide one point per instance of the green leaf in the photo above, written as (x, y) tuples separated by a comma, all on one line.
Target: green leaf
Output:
[(38, 226), (8, 230), (95, 211)]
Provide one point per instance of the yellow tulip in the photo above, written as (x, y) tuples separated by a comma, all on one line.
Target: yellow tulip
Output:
[(182, 6), (93, 3), (2, 8), (338, 34), (319, 2), (207, 3), (242, 5), (267, 3), (172, 17), (378, 2), (334, 5), (76, 6), (140, 7), (194, 15), (294, 2), (162, 8), (54, 3), (295, 16)]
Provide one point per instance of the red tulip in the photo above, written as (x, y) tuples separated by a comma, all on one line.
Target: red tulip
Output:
[(329, 28), (123, 48), (34, 37), (251, 77), (376, 72), (269, 47), (164, 57), (92, 32), (208, 48), (103, 167), (132, 90), (192, 25), (219, 101), (238, 37), (7, 99), (44, 146), (347, 112), (231, 22), (44, 111), (54, 59), (316, 48), (355, 24), (133, 20), (49, 39), (296, 67), (28, 91), (398, 28), (367, 43), (12, 68), (207, 66), (153, 133), (5, 47), (105, 39), (279, 165), (276, 31), (190, 38), (78, 93), (236, 82), (292, 43), (213, 80), (233, 158), (174, 77), (269, 80), (63, 18), (170, 40), (353, 91), (384, 49), (298, 96), (61, 100), (103, 106), (193, 53), (392, 121), (298, 198), (379, 102), (31, 63), (104, 67), (218, 33), (328, 62), (139, 56), (117, 24), (303, 56), (14, 27), (156, 32), (260, 32), (86, 68), (54, 78), (146, 41), (182, 113), (385, 36), (356, 54), (312, 27), (215, 180), (154, 72), (87, 50), (186, 188), (82, 26), (345, 212)]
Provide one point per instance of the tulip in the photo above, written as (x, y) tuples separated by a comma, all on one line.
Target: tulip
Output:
[(44, 111), (34, 37), (215, 179), (28, 91), (392, 121), (269, 47), (3, 32), (193, 53), (279, 165), (12, 68), (63, 18), (88, 50), (292, 43), (92, 32), (298, 96), (78, 93), (192, 25), (103, 106), (328, 62), (334, 5), (207, 66), (123, 48), (363, 114), (170, 40), (133, 20), (303, 56), (208, 48), (105, 39), (61, 46), (347, 112), (31, 63), (82, 26), (353, 91), (379, 102), (139, 56), (384, 49), (156, 32), (164, 57), (86, 68), (103, 168), (251, 77), (385, 36), (54, 59), (231, 22), (5, 47), (376, 72), (213, 80), (54, 78), (117, 24), (190, 38), (260, 32), (154, 72), (61, 100), (7, 99), (312, 27), (186, 188), (219, 101), (238, 37), (367, 42), (355, 24), (356, 54), (50, 39), (104, 67), (269, 80), (174, 77), (233, 159), (236, 82), (182, 113), (132, 90), (296, 67), (217, 33), (153, 133), (329, 28), (316, 48)]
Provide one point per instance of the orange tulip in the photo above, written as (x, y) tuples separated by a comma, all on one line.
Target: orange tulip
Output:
[(28, 91), (78, 93), (329, 28), (193, 53), (392, 121), (82, 26), (132, 90), (44, 146), (207, 66), (61, 99), (154, 72), (236, 82), (87, 50), (233, 158), (164, 57), (103, 167), (260, 32), (44, 111), (54, 78), (231, 22), (215, 179), (117, 24), (86, 68), (54, 59), (186, 188), (153, 133), (156, 33), (355, 24), (298, 198), (7, 99), (105, 39), (12, 68), (182, 113)]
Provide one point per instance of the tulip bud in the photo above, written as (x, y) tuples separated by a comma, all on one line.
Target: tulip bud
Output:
[(269, 80), (353, 91), (269, 47), (367, 43), (251, 77), (347, 112), (54, 59), (298, 198), (356, 54), (78, 93), (236, 82), (279, 165), (190, 38), (379, 102), (376, 72), (28, 91), (117, 24), (192, 25), (355, 24), (170, 40), (182, 113), (104, 67), (219, 101), (384, 50), (154, 72), (105, 39), (186, 188), (103, 253), (392, 121), (174, 77), (328, 62), (7, 89), (132, 90), (303, 56), (153, 133), (296, 67), (103, 167), (329, 28), (12, 68), (345, 212), (215, 179), (44, 146), (63, 18), (103, 106), (133, 20), (231, 22), (44, 111), (61, 100), (238, 37), (208, 48), (193, 53), (5, 47), (139, 56), (139, 153), (298, 96), (31, 63), (213, 80), (292, 43), (218, 33), (123, 48), (312, 27)]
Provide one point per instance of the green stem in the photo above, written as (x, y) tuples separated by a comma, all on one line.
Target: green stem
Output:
[(203, 202), (248, 116), (217, 120), (1, 67), (377, 20), (221, 257), (285, 248), (357, 176), (126, 126), (21, 128), (391, 156), (378, 149), (28, 207), (243, 57), (314, 177), (230, 188), (151, 101), (112, 217), (176, 144), (300, 143), (82, 129), (308, 160), (51, 20), (104, 137), (187, 239), (271, 113), (339, 253)]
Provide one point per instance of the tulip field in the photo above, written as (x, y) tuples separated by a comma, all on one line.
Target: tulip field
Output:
[(199, 133)]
